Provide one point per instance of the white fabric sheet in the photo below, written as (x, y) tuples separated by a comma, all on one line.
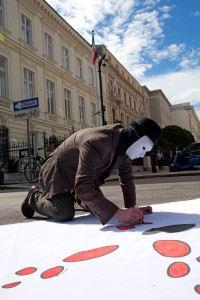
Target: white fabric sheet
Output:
[(82, 259)]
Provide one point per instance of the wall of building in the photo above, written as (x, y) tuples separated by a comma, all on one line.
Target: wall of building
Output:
[(184, 115), (124, 94), (20, 55)]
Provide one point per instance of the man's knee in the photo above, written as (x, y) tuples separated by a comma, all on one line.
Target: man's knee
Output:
[(65, 216), (63, 206)]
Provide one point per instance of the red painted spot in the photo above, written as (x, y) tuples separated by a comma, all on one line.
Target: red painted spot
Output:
[(125, 227), (55, 271), (26, 271), (197, 288), (178, 269), (11, 285), (90, 254), (198, 259), (172, 248)]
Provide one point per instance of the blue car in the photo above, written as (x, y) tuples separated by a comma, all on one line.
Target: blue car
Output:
[(186, 159)]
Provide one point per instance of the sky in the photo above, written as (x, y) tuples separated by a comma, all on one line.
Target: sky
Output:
[(157, 41)]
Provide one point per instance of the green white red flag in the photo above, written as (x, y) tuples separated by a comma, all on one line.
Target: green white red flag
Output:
[(94, 49)]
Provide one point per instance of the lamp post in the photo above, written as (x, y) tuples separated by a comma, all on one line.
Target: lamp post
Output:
[(101, 92)]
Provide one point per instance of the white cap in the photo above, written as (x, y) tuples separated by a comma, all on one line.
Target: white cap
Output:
[(140, 147)]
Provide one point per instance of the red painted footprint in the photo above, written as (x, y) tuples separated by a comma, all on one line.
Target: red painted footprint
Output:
[(178, 269), (11, 285), (198, 259), (197, 288), (172, 248), (90, 254), (26, 271), (127, 227), (55, 271), (22, 272)]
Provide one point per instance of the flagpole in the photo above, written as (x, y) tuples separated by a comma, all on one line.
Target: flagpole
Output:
[(97, 94), (94, 51)]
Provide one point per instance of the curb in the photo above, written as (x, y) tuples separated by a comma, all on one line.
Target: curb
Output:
[(110, 179), (159, 175)]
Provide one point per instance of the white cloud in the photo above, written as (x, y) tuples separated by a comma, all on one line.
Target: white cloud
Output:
[(195, 13), (165, 9), (190, 59)]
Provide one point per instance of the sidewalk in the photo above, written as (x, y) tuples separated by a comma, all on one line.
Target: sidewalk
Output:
[(14, 184), (162, 173)]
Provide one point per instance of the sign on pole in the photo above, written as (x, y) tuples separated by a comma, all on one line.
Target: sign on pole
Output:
[(26, 109)]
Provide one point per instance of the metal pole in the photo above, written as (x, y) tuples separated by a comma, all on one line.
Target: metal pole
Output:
[(29, 150), (101, 92), (97, 92)]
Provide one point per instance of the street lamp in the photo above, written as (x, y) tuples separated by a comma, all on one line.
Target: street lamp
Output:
[(103, 62)]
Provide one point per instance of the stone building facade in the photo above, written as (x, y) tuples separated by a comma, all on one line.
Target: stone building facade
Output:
[(42, 56), (185, 116), (125, 98)]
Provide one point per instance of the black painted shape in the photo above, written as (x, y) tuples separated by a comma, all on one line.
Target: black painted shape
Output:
[(169, 229)]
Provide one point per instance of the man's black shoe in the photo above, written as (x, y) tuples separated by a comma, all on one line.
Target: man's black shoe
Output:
[(26, 210)]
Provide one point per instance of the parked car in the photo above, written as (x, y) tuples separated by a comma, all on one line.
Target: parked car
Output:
[(192, 149), (187, 158), (1, 176)]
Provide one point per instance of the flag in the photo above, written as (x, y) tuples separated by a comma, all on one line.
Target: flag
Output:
[(94, 49)]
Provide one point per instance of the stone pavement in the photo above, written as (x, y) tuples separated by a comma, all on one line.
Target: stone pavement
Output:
[(15, 184)]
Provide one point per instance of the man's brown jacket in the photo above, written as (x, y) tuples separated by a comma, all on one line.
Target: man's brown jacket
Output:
[(81, 163)]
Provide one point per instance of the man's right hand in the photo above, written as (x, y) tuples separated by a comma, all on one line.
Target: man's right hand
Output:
[(129, 215)]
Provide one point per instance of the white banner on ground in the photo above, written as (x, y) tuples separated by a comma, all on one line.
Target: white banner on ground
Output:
[(84, 260)]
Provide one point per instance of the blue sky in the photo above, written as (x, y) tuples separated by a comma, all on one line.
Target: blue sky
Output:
[(158, 41)]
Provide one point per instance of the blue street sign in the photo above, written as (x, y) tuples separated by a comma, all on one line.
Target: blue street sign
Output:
[(26, 104)]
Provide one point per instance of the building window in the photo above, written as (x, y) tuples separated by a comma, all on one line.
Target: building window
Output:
[(82, 109), (114, 115), (26, 30), (1, 13), (135, 105), (28, 84), (50, 97), (119, 91), (94, 113), (68, 104), (91, 77), (79, 67), (48, 45), (3, 77), (65, 58), (125, 97), (130, 101)]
